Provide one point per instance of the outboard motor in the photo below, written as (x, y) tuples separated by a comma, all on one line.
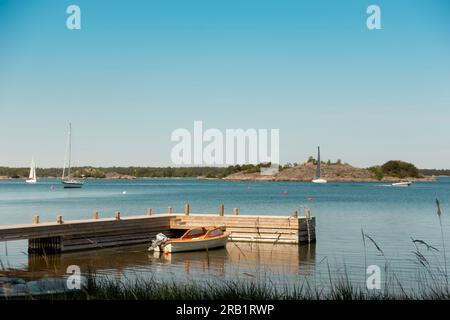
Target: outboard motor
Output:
[(159, 242)]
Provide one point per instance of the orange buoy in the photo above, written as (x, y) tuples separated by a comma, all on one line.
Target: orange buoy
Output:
[(285, 193)]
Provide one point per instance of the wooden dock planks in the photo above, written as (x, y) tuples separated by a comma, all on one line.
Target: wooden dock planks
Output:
[(254, 228)]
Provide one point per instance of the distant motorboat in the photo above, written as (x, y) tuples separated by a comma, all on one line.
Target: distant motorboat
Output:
[(68, 181), (401, 184), (32, 178), (318, 179)]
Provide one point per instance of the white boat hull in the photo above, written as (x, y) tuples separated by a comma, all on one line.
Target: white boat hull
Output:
[(401, 184), (194, 245), (72, 184), (320, 180)]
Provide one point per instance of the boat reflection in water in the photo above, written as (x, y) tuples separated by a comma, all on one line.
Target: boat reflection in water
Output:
[(245, 256), (241, 259)]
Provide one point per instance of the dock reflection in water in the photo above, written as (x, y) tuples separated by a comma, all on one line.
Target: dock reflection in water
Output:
[(237, 259)]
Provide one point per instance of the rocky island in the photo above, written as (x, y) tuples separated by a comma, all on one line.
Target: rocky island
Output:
[(391, 171)]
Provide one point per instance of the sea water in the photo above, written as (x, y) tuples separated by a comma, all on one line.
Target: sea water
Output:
[(393, 217)]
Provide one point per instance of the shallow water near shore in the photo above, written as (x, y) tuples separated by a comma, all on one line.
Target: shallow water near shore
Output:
[(391, 216)]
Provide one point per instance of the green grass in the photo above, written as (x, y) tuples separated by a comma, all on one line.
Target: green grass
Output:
[(98, 288)]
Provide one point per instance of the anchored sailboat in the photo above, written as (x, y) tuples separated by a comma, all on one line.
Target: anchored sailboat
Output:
[(32, 178), (318, 179), (68, 181)]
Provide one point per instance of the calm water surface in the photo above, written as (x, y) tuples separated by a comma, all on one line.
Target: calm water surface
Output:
[(391, 216)]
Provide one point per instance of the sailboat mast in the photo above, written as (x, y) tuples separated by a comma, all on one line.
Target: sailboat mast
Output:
[(70, 147), (67, 154), (318, 163), (34, 170)]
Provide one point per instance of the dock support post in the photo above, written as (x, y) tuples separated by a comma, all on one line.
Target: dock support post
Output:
[(221, 210), (36, 219), (169, 210), (186, 209), (149, 211), (95, 215), (44, 245), (59, 219), (117, 215), (308, 214), (235, 211)]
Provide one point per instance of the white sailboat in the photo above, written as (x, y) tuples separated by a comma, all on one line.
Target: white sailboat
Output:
[(67, 180), (318, 179), (32, 178)]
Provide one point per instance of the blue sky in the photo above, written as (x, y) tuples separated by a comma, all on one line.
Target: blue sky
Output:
[(137, 70)]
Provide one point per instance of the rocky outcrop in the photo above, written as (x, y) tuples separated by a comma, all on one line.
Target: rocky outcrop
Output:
[(14, 287), (115, 175), (306, 172)]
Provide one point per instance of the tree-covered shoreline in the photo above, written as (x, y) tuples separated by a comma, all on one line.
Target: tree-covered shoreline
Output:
[(394, 168), (132, 172)]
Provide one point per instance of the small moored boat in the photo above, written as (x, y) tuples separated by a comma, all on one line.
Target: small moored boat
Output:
[(401, 184), (201, 238)]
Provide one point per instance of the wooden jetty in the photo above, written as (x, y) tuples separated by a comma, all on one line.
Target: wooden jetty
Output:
[(63, 236)]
